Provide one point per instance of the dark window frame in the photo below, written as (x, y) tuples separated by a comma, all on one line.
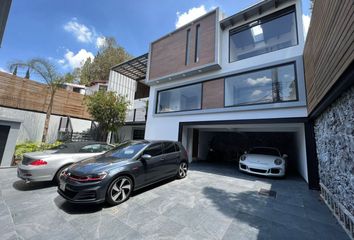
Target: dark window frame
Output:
[(265, 19), (188, 36), (196, 46), (165, 147), (152, 144), (261, 69), (167, 89)]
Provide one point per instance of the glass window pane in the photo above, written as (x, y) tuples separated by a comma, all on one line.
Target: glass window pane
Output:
[(275, 84), (154, 150), (169, 147), (264, 37), (180, 99)]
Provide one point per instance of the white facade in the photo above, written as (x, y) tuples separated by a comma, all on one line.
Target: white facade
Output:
[(167, 126)]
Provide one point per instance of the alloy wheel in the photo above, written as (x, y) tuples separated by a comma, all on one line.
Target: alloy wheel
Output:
[(182, 171), (121, 189)]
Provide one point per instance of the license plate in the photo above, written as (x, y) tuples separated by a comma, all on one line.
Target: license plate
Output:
[(62, 186)]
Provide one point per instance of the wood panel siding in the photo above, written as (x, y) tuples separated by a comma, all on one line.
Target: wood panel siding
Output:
[(20, 93), (213, 94), (329, 48), (168, 54)]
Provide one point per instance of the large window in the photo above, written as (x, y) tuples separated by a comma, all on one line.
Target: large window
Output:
[(268, 34), (276, 84), (180, 99)]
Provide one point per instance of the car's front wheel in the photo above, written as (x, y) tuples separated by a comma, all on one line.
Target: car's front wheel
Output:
[(182, 170), (119, 190)]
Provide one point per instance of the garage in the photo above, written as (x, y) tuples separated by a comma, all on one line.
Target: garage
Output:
[(225, 143), (4, 132)]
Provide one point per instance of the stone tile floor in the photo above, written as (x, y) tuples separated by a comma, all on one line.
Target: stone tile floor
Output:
[(213, 202)]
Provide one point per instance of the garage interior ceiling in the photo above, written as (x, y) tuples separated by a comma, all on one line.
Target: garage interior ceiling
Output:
[(249, 127)]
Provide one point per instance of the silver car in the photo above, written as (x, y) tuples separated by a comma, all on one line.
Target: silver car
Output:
[(47, 165)]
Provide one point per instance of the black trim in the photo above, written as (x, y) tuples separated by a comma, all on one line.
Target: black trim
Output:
[(168, 89), (188, 36), (261, 69), (265, 19), (311, 155), (196, 46)]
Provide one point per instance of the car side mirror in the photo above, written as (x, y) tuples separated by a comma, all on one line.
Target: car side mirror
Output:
[(146, 156), (285, 155)]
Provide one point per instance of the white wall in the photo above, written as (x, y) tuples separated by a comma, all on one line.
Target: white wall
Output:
[(302, 157), (122, 85), (80, 125)]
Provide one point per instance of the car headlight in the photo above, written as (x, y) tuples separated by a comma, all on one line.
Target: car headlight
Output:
[(243, 158), (278, 161), (96, 177)]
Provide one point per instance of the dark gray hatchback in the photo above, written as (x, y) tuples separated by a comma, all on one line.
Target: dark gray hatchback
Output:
[(113, 176)]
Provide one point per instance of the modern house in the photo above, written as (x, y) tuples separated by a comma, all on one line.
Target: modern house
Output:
[(236, 81), (127, 79)]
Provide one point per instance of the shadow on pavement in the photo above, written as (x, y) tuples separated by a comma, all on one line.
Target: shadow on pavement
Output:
[(78, 208), (23, 186)]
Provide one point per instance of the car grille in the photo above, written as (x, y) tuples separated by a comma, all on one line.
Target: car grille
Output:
[(258, 170), (243, 166), (26, 160), (86, 195), (69, 193)]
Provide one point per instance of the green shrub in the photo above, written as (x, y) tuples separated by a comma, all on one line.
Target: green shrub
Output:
[(27, 147)]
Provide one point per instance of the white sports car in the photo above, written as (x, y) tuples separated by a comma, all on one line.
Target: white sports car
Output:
[(264, 161)]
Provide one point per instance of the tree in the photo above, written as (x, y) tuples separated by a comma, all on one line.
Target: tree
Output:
[(47, 71), (109, 54), (28, 74), (108, 109), (15, 71)]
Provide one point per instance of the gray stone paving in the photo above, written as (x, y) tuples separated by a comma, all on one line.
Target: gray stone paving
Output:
[(213, 202)]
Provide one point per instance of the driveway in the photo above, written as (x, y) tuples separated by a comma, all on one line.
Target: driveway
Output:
[(213, 202)]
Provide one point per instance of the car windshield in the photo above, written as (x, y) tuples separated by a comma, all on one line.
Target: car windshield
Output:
[(265, 151), (126, 150)]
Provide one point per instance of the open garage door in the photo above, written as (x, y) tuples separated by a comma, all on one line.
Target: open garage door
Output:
[(223, 143)]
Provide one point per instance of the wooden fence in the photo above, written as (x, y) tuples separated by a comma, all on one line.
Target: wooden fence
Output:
[(329, 48), (20, 93)]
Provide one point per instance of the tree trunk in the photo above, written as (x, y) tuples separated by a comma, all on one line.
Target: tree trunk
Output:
[(47, 117)]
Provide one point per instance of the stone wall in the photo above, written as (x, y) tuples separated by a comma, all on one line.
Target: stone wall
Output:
[(334, 130)]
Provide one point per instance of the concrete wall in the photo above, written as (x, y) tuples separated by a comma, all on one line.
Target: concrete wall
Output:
[(33, 123), (15, 125), (334, 130)]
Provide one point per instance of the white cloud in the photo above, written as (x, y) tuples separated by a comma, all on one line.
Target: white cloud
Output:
[(262, 80), (256, 92), (190, 15), (75, 60), (306, 23), (100, 42), (80, 31)]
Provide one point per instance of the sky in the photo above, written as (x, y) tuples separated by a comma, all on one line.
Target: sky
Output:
[(67, 32)]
